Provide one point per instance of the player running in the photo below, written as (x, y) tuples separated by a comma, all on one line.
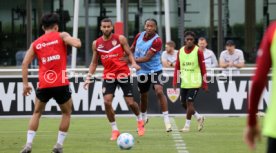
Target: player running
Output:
[(111, 49), (147, 51)]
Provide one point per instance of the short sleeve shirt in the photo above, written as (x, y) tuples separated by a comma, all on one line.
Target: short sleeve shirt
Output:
[(237, 57), (170, 57)]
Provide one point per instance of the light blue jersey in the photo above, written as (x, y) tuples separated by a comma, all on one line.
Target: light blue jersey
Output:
[(141, 49)]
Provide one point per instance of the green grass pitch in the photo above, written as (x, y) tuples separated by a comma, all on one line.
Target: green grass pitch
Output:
[(91, 135)]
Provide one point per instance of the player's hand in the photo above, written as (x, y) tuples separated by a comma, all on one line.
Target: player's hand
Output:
[(86, 84), (251, 134), (136, 66), (27, 90)]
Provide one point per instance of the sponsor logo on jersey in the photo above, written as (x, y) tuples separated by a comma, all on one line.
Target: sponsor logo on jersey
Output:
[(45, 60), (42, 45), (173, 95), (109, 56)]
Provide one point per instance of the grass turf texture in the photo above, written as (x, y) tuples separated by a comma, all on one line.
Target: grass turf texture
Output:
[(91, 135)]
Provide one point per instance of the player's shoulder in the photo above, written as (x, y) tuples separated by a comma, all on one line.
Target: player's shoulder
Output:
[(158, 40)]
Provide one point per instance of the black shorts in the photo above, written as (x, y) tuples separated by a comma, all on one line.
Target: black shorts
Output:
[(109, 86), (188, 94), (144, 81), (61, 94), (271, 145)]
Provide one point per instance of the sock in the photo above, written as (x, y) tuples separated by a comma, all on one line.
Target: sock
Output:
[(188, 122), (166, 117), (114, 126), (61, 137), (139, 117), (197, 116), (30, 136), (144, 116)]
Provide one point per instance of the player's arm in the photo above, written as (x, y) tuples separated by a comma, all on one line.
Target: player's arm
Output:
[(25, 64), (146, 58), (69, 40), (155, 47), (127, 50), (259, 80), (176, 71), (202, 70), (93, 65), (132, 48)]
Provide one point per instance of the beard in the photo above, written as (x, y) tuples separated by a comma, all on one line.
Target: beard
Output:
[(107, 34)]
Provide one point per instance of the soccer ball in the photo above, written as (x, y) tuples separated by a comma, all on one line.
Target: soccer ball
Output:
[(125, 141)]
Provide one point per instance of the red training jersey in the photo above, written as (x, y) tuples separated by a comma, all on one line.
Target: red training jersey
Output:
[(51, 53), (110, 52)]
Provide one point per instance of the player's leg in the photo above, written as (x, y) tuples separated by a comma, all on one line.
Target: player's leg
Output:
[(42, 97), (127, 88), (183, 93), (200, 119), (108, 88), (62, 95), (271, 145), (144, 86), (191, 94), (158, 88)]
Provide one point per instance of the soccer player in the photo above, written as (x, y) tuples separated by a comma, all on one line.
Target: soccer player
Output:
[(51, 53), (190, 63), (147, 47), (265, 60), (111, 49)]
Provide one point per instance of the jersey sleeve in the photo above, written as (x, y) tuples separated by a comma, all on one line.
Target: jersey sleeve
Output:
[(135, 40), (176, 70), (202, 68), (156, 45)]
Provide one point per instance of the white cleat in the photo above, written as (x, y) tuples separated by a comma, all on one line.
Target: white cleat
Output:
[(185, 129), (200, 123), (27, 148), (168, 127)]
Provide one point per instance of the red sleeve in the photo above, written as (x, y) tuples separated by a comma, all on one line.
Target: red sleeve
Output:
[(202, 69), (156, 45), (135, 40), (259, 80), (176, 70)]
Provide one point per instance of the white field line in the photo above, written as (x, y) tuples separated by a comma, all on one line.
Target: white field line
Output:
[(179, 142)]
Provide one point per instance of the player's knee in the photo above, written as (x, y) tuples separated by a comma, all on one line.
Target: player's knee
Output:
[(67, 112), (107, 104), (37, 112), (159, 92)]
